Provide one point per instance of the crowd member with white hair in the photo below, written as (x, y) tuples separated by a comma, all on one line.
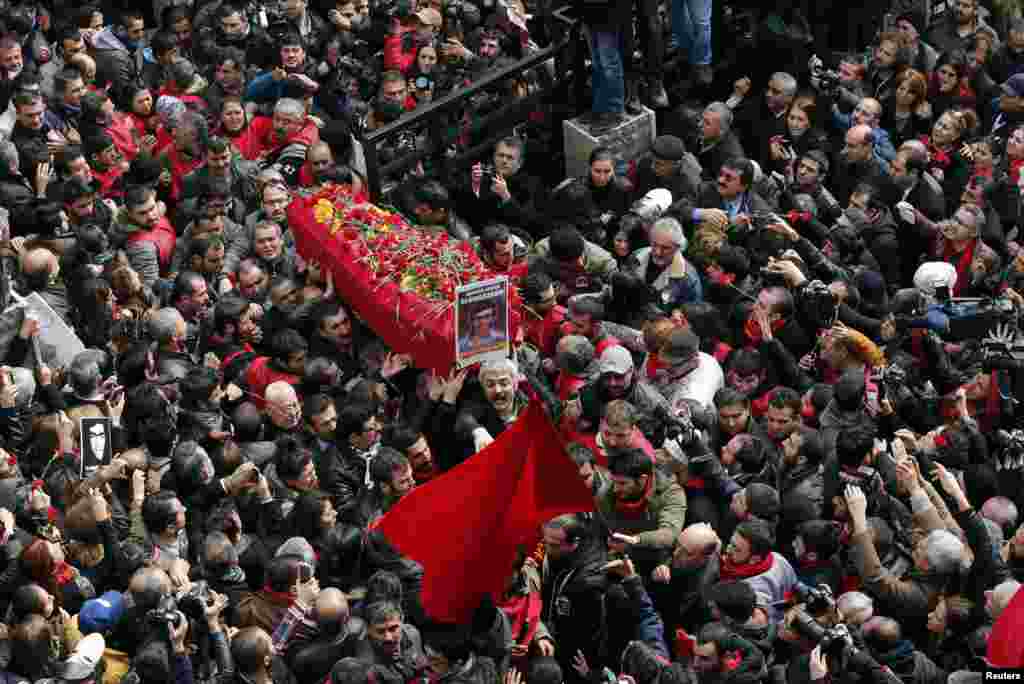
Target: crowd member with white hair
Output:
[(672, 278)]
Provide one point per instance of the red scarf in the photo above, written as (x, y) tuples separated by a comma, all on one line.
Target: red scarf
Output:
[(523, 612), (635, 509), (939, 157), (753, 330), (733, 571), (1015, 166), (653, 366), (963, 264)]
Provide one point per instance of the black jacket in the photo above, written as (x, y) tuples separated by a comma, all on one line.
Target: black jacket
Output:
[(573, 610)]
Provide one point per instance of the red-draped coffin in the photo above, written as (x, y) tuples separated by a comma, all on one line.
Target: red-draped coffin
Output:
[(398, 279)]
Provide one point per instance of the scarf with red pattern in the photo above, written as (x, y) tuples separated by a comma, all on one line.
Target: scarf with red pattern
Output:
[(738, 571), (635, 509)]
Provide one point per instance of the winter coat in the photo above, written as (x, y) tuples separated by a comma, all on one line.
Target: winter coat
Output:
[(666, 508), (116, 63), (677, 284), (573, 594), (149, 250)]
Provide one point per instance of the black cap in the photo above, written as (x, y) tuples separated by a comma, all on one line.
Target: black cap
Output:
[(668, 147)]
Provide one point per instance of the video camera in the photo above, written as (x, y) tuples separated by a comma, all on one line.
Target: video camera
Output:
[(820, 304), (824, 80), (190, 603), (1010, 445), (834, 641)]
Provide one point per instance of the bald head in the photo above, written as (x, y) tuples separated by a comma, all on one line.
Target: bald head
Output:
[(997, 599), (1002, 512), (281, 393), (38, 260), (855, 607), (695, 545), (868, 112), (148, 585), (859, 140)]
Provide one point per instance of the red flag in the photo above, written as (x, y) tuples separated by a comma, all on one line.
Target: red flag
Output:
[(466, 526), (1005, 647)]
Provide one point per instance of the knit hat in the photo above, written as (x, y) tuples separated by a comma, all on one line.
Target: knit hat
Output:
[(734, 600), (668, 147), (872, 287), (298, 546)]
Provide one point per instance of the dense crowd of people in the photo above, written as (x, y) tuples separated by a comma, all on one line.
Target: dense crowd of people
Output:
[(781, 348)]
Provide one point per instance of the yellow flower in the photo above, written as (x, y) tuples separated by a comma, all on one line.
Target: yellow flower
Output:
[(323, 211)]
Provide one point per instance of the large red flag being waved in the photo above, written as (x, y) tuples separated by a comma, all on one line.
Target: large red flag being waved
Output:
[(466, 526), (1005, 646)]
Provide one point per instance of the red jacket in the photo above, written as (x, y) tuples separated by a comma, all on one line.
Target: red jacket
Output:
[(180, 166), (543, 332), (163, 236), (261, 375), (266, 140), (109, 187), (122, 132), (396, 57)]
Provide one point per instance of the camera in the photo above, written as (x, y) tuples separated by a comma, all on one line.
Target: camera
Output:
[(820, 304), (827, 80), (834, 641), (1010, 445), (188, 604), (819, 599)]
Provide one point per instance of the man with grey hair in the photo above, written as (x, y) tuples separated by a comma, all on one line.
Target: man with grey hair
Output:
[(761, 120), (939, 556), (717, 140), (475, 423), (169, 331), (673, 280)]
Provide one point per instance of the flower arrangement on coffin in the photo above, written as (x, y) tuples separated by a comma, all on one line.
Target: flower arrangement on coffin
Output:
[(377, 246)]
